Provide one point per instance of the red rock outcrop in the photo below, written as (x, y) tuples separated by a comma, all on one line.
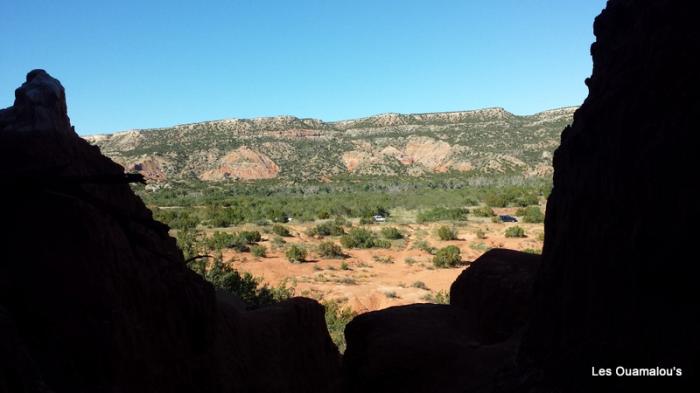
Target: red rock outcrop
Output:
[(242, 163), (95, 296)]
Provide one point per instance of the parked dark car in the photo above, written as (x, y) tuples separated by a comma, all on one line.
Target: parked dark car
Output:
[(507, 218)]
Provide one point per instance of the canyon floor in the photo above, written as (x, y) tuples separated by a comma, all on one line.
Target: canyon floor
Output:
[(372, 279)]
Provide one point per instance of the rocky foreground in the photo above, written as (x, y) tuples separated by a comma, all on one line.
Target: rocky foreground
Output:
[(95, 296)]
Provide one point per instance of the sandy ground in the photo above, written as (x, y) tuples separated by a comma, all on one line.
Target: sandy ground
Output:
[(368, 283)]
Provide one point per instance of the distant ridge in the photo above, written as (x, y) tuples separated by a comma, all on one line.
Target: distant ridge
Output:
[(489, 140)]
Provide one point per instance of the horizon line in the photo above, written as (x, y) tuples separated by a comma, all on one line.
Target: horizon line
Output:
[(108, 133)]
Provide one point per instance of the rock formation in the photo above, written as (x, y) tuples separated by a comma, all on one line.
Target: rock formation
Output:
[(242, 163), (616, 285), (495, 292), (95, 296), (459, 347), (482, 141)]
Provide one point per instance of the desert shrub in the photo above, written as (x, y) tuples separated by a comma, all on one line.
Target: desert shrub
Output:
[(532, 251), (326, 229), (358, 238), (480, 234), (442, 214), (341, 221), (391, 233), (337, 317), (381, 243), (483, 211), (246, 287), (447, 257), (540, 236), (250, 237), (447, 233), (410, 261), (366, 221), (419, 285), (384, 259), (531, 214), (424, 246), (329, 249), (480, 246), (347, 281), (189, 243), (440, 297), (281, 230), (258, 251), (511, 196), (238, 243), (295, 253), (344, 266), (391, 294), (277, 242), (176, 218), (495, 199), (515, 231), (220, 240), (496, 220), (324, 214)]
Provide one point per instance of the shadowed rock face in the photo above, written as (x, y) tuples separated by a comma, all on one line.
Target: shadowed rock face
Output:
[(419, 348), (617, 286), (95, 296), (617, 282), (496, 293)]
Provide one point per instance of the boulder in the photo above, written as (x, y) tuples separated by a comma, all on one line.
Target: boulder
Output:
[(419, 348), (495, 292)]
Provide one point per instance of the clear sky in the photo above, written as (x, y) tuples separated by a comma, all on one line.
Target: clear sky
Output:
[(140, 64)]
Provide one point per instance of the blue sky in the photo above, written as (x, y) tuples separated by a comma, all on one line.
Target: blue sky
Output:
[(141, 64)]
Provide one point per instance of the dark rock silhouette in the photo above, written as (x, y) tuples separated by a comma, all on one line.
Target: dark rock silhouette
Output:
[(445, 348), (95, 296), (419, 348), (618, 283), (495, 293), (617, 280)]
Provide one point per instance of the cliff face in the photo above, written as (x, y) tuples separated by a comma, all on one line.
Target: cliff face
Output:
[(479, 141), (95, 296), (617, 285)]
